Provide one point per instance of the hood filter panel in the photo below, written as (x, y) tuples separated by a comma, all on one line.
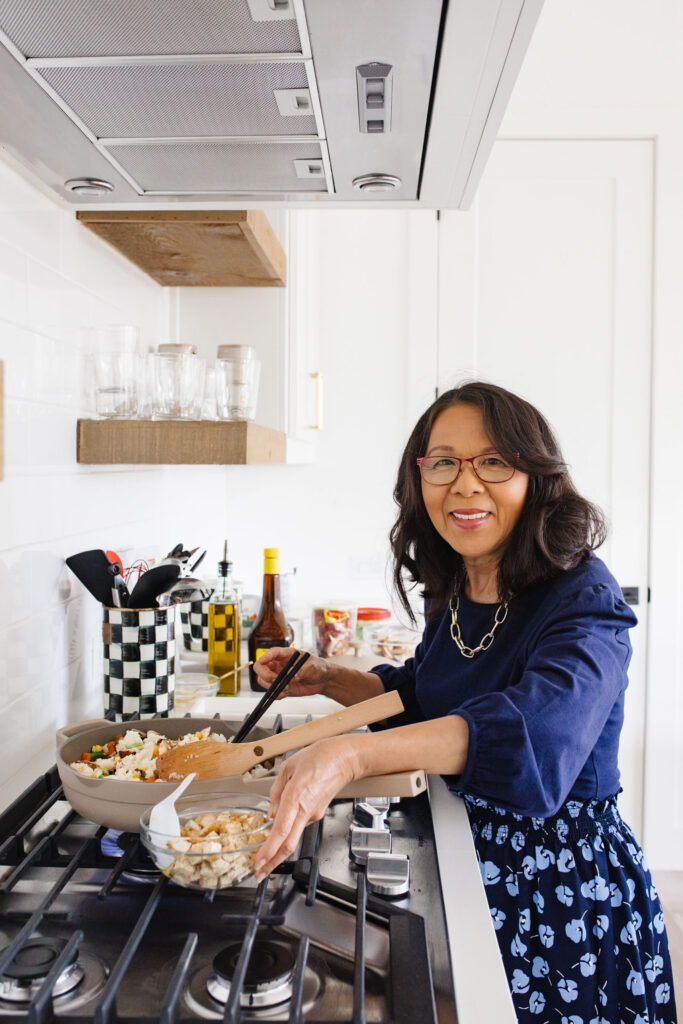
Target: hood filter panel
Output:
[(179, 100), (220, 167), (99, 28)]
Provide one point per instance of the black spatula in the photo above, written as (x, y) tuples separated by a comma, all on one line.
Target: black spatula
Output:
[(152, 583), (94, 570)]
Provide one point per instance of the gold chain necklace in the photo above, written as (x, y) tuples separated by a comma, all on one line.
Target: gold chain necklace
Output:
[(486, 640)]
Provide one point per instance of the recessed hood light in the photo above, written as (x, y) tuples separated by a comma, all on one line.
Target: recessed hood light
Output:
[(89, 186), (377, 183)]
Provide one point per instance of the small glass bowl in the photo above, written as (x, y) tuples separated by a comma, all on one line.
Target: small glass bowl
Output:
[(393, 643), (214, 869), (190, 687)]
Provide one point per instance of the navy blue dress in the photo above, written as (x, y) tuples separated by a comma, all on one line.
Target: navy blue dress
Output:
[(577, 916)]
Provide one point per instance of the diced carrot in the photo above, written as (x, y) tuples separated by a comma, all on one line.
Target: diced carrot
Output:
[(86, 756)]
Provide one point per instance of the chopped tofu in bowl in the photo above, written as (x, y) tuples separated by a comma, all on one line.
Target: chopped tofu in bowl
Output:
[(219, 836)]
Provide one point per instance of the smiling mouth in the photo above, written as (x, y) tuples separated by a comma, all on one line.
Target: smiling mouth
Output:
[(470, 516)]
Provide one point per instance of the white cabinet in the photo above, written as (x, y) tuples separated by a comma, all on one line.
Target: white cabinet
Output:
[(545, 288), (305, 384)]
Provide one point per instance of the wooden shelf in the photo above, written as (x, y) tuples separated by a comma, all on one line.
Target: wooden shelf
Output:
[(177, 442), (217, 248)]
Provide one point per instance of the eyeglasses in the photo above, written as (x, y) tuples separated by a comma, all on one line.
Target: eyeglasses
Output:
[(491, 468)]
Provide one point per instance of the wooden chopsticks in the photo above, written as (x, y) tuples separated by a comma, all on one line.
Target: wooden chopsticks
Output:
[(283, 678)]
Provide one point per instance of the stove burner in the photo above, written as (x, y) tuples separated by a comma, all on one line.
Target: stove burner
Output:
[(269, 975), (142, 868), (26, 972)]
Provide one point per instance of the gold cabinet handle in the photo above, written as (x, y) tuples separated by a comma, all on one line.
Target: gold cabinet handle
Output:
[(318, 378)]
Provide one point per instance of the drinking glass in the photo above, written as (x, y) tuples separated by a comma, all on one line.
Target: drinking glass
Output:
[(117, 369), (178, 382)]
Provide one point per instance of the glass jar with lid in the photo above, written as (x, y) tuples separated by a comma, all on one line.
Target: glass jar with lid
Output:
[(177, 382), (368, 619), (237, 380)]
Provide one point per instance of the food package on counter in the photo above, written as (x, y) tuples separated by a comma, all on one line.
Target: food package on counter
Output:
[(334, 627)]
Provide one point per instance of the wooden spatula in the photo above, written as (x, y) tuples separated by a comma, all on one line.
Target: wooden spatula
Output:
[(210, 759)]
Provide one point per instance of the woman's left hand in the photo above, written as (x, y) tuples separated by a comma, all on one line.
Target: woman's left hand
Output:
[(306, 784)]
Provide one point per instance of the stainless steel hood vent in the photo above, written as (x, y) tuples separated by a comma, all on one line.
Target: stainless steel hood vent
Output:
[(232, 101), (106, 28)]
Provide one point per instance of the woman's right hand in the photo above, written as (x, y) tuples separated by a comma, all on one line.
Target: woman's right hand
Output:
[(308, 680)]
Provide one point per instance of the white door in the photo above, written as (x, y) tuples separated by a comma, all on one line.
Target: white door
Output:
[(545, 288)]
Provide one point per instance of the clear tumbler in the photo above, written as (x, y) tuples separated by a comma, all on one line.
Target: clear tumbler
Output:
[(117, 369)]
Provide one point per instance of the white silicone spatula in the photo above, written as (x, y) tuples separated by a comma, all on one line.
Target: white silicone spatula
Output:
[(163, 818)]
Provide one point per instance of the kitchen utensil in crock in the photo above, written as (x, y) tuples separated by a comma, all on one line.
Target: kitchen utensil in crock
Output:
[(152, 584), (93, 569), (119, 592), (211, 760), (185, 589), (277, 687), (164, 820)]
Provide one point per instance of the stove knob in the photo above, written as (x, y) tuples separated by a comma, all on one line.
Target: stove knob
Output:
[(368, 815), (364, 841), (388, 874)]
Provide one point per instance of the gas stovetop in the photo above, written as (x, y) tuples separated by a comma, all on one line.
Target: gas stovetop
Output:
[(91, 931)]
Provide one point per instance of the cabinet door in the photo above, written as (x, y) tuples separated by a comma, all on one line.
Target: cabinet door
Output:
[(545, 288), (305, 383)]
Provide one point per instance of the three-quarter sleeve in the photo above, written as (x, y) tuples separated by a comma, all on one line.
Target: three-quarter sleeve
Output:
[(528, 742), (402, 679)]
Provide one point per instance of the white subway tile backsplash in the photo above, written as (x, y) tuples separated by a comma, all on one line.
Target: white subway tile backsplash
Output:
[(29, 221), (52, 301), (13, 284), (19, 353)]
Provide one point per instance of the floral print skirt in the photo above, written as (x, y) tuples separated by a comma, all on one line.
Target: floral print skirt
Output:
[(578, 919)]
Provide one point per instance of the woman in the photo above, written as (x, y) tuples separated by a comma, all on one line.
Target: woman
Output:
[(515, 695)]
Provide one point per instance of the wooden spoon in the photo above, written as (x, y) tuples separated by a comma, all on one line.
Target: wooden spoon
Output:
[(210, 759)]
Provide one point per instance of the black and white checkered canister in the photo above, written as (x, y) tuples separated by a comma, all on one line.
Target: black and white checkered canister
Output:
[(139, 662), (194, 619)]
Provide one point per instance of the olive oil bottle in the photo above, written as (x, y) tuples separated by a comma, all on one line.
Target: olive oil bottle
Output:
[(271, 629), (224, 628)]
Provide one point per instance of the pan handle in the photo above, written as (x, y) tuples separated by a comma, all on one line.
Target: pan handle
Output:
[(67, 732)]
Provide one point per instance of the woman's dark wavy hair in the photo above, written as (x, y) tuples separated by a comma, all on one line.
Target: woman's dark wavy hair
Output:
[(556, 530)]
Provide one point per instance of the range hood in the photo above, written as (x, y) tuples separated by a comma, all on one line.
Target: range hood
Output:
[(224, 103)]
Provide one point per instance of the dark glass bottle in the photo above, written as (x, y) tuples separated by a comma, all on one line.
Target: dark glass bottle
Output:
[(271, 629)]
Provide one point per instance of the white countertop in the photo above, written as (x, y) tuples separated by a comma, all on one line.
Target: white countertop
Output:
[(481, 988)]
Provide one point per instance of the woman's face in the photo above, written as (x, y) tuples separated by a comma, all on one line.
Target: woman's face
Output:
[(459, 432)]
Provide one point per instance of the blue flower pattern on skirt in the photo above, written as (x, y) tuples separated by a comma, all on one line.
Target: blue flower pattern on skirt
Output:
[(577, 917)]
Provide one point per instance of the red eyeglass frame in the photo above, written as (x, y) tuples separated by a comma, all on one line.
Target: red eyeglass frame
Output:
[(460, 461)]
